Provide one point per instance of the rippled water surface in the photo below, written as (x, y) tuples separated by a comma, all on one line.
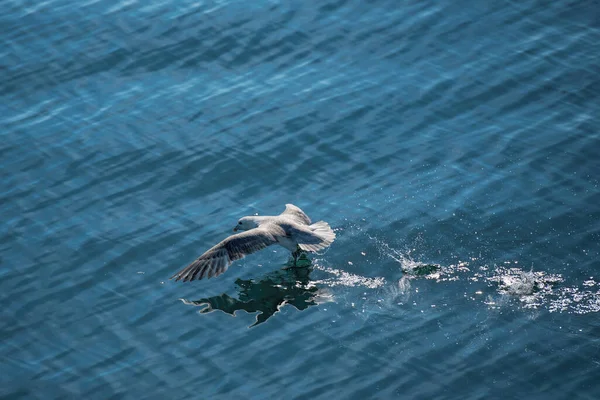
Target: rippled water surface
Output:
[(453, 146)]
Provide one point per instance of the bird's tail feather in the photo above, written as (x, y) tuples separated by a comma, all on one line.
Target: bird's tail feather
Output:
[(324, 232)]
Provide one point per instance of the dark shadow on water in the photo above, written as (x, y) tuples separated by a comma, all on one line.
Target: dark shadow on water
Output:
[(290, 285)]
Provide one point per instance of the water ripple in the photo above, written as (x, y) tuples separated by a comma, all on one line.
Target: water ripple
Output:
[(453, 147)]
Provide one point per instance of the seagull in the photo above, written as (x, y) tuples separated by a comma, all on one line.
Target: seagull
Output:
[(291, 229)]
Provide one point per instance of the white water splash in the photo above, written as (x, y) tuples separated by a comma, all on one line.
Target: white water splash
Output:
[(343, 278), (527, 289)]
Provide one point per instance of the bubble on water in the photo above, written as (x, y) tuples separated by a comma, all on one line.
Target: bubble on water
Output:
[(343, 278), (497, 286), (404, 285)]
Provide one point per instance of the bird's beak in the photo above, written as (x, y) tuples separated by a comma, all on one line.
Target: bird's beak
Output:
[(235, 229)]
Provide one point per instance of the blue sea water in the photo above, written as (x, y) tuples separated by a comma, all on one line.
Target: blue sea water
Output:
[(453, 146)]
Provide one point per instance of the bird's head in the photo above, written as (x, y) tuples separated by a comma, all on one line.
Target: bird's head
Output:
[(246, 223)]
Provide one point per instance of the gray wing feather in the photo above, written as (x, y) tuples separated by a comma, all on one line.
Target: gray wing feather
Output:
[(217, 259), (301, 234), (313, 238), (296, 213)]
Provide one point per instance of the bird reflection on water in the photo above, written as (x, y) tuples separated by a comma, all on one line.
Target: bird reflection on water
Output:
[(291, 285)]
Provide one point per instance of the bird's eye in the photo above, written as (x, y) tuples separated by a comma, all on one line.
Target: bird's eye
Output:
[(240, 222)]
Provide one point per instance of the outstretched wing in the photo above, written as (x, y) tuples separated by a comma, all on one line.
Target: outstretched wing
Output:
[(296, 213), (312, 238), (216, 260)]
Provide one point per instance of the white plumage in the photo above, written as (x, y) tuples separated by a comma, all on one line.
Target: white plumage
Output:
[(291, 229)]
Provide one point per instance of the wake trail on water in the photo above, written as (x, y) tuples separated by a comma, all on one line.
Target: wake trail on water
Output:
[(495, 284)]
